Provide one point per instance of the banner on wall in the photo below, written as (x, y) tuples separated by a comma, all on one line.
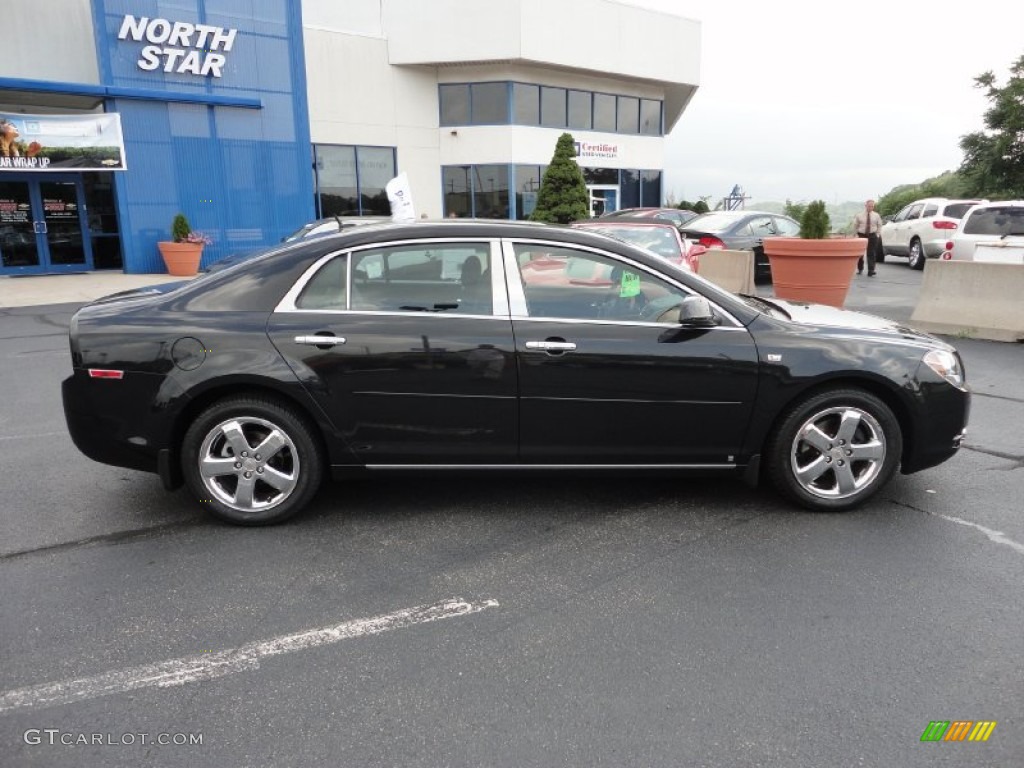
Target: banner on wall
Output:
[(83, 142)]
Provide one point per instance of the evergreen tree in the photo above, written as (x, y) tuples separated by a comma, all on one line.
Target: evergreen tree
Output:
[(563, 196)]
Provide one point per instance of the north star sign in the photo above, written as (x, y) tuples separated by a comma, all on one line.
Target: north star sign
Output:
[(177, 46)]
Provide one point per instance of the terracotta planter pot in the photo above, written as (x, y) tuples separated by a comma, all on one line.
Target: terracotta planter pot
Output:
[(815, 271), (181, 259)]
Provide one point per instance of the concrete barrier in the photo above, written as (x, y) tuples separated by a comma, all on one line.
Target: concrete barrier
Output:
[(972, 299), (732, 270)]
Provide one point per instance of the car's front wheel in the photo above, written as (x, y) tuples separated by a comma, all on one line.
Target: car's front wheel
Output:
[(251, 460), (835, 450), (917, 257)]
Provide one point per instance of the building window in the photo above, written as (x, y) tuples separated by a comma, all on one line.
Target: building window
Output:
[(525, 104), (350, 180), (579, 110), (650, 189), (454, 104), (528, 178), (604, 112), (650, 117), (488, 103), (552, 107), (629, 115), (476, 191), (629, 188)]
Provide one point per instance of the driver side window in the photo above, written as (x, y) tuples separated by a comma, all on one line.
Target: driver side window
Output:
[(576, 284)]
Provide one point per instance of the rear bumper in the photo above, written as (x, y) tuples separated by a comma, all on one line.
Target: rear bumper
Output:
[(109, 439)]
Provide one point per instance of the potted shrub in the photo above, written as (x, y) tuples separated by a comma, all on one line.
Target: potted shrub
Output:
[(814, 267), (183, 253)]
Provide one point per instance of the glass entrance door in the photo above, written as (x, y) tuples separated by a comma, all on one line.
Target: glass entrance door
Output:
[(604, 198), (41, 225)]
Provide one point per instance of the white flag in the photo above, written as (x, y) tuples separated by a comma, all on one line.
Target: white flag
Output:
[(400, 197)]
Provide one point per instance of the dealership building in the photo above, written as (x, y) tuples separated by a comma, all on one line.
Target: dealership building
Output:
[(253, 118)]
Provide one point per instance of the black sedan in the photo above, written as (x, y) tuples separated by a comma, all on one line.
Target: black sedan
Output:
[(469, 345), (741, 231)]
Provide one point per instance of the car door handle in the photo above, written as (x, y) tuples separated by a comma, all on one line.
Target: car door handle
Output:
[(551, 346), (320, 341)]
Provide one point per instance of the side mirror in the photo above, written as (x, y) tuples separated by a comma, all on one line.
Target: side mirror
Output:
[(696, 312)]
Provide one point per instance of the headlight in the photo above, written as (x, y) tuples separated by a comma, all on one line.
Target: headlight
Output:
[(947, 365)]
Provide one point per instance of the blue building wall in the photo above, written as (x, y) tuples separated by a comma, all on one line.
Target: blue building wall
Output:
[(241, 175)]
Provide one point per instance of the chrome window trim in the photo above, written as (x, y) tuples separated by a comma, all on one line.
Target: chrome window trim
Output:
[(517, 293), (532, 467), (499, 298)]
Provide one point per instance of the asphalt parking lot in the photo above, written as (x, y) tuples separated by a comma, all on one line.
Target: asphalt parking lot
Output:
[(508, 622)]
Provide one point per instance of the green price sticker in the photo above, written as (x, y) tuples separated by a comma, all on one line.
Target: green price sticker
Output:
[(630, 285)]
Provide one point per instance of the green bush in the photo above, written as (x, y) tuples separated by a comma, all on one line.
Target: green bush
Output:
[(180, 228), (563, 196), (815, 223)]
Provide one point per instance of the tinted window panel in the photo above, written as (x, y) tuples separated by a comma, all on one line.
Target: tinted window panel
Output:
[(327, 289), (526, 104), (454, 104), (490, 191), (957, 210), (929, 210), (376, 169), (452, 278), (629, 115), (604, 112), (650, 188), (552, 107), (457, 202), (528, 178), (650, 117), (489, 103), (336, 174), (579, 110)]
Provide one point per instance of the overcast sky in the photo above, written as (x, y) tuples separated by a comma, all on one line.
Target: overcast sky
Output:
[(807, 100)]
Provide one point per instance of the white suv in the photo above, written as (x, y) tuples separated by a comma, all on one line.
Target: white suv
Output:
[(990, 232), (922, 229)]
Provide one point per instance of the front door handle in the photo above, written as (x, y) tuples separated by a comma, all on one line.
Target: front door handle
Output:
[(551, 346), (320, 341)]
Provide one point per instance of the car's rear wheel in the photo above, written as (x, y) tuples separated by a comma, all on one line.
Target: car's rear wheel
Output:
[(251, 460), (917, 257), (835, 450)]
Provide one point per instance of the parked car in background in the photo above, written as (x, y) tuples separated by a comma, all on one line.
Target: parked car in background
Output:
[(990, 232), (920, 230), (676, 215), (473, 345), (741, 231), (659, 236)]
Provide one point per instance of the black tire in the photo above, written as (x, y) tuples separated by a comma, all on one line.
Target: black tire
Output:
[(916, 257), (836, 479), (242, 486)]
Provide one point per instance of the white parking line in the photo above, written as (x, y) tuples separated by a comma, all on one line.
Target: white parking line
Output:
[(191, 669), (997, 536)]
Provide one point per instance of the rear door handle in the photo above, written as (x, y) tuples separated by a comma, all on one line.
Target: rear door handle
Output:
[(551, 346), (320, 341)]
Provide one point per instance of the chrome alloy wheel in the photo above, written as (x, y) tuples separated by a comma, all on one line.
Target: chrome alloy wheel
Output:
[(249, 464), (838, 452)]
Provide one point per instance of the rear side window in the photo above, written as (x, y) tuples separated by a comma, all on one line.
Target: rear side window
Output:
[(957, 210), (328, 289), (995, 221), (929, 211)]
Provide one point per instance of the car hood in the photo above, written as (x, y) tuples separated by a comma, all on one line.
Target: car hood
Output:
[(858, 323)]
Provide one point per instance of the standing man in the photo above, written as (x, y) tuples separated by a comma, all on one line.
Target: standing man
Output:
[(868, 224)]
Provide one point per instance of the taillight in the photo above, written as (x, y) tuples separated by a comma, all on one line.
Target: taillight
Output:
[(949, 245), (101, 373), (710, 241), (944, 224)]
